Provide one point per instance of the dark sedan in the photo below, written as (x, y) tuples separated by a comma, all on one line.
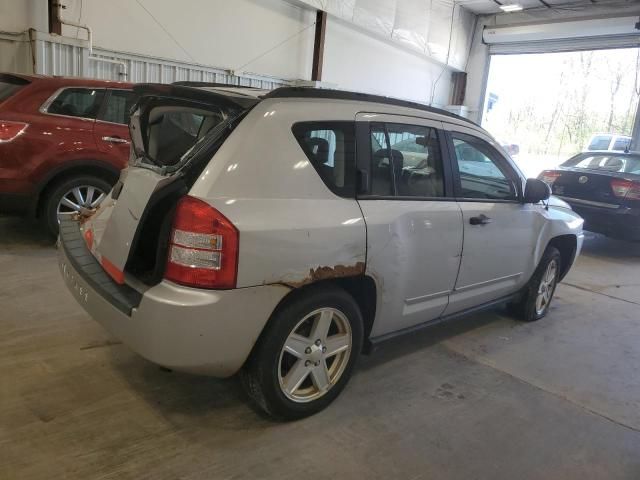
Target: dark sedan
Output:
[(602, 187)]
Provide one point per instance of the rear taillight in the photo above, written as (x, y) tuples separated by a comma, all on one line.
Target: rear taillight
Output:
[(203, 249), (11, 130), (549, 177), (626, 189)]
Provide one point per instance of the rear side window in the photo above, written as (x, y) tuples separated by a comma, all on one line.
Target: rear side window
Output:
[(600, 142), (77, 102), (330, 147), (117, 107), (10, 85)]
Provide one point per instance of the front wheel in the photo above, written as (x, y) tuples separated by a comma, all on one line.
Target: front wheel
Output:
[(306, 354), (539, 291)]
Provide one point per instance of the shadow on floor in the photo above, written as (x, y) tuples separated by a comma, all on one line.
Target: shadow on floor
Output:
[(183, 398), (223, 402), (21, 232), (597, 245), (429, 336)]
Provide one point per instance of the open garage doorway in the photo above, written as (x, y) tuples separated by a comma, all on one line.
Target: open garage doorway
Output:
[(544, 108)]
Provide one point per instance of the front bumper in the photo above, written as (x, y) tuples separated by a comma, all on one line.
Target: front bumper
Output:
[(198, 331)]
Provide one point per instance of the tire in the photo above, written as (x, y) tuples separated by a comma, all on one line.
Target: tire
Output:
[(288, 386), (538, 293), (55, 194)]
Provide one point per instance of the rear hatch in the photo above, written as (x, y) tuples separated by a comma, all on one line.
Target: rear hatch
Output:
[(175, 131), (600, 179)]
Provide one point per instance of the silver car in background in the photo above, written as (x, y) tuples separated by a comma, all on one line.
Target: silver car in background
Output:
[(280, 234)]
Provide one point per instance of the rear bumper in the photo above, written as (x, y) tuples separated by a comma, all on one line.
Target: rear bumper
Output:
[(622, 223), (198, 331)]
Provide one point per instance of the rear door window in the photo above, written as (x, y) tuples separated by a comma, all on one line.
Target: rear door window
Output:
[(10, 85), (118, 106), (77, 102), (330, 147), (406, 161)]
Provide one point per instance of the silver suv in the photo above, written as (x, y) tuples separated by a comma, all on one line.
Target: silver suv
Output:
[(280, 234)]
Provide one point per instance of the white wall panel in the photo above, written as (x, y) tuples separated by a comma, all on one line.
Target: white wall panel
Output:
[(234, 34), (15, 54), (20, 15), (360, 62), (438, 29), (389, 47)]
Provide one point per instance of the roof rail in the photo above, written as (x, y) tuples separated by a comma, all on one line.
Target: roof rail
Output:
[(190, 83), (311, 92)]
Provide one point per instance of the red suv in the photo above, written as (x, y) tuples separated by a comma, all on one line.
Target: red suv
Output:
[(63, 142)]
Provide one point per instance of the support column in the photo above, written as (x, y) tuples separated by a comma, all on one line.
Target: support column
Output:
[(54, 24), (459, 90), (318, 45), (635, 135)]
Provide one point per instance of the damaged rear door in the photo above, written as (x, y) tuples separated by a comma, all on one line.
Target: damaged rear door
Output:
[(414, 224)]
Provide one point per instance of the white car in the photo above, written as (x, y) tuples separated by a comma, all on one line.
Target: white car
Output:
[(608, 141), (290, 230)]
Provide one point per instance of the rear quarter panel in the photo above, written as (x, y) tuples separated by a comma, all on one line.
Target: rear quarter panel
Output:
[(293, 229)]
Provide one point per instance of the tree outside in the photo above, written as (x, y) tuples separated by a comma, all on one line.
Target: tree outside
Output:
[(551, 104)]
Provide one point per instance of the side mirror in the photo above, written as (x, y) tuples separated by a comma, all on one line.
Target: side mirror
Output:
[(536, 190)]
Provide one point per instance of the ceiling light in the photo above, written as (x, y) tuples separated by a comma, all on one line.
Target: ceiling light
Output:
[(511, 8)]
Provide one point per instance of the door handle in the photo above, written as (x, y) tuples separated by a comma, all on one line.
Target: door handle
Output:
[(115, 140), (481, 219)]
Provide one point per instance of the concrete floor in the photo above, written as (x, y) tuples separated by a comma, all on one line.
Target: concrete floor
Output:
[(480, 398)]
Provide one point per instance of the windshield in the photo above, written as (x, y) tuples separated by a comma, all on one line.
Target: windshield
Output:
[(600, 142), (606, 163)]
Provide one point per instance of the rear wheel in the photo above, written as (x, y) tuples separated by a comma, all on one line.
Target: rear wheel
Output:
[(77, 194), (539, 291), (306, 355)]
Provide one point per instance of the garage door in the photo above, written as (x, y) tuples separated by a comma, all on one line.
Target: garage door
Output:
[(591, 34)]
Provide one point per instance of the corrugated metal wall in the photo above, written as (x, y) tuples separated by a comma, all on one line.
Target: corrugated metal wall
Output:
[(56, 55), (149, 69)]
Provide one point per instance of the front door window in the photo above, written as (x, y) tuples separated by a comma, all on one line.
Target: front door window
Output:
[(482, 175)]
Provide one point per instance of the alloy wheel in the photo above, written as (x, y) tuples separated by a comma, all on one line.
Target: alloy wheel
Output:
[(81, 199), (546, 287), (315, 355)]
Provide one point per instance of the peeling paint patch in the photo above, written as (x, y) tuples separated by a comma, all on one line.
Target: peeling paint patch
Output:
[(327, 273)]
